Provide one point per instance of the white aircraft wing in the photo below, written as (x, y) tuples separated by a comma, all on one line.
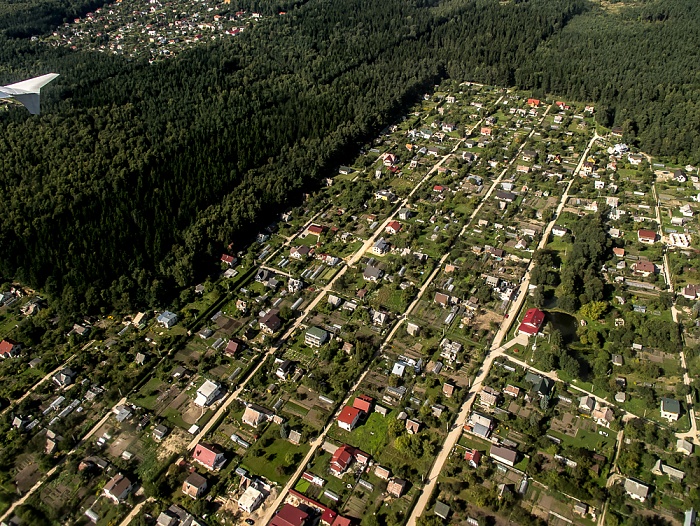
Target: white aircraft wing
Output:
[(30, 85), (27, 91)]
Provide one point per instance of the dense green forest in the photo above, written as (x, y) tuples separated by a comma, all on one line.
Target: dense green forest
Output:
[(136, 177)]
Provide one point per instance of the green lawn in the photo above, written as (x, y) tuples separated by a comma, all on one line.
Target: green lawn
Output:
[(146, 399), (370, 437), (586, 439), (274, 463), (296, 409), (175, 418), (302, 486)]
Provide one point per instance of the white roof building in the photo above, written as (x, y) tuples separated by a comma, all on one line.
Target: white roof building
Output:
[(207, 393)]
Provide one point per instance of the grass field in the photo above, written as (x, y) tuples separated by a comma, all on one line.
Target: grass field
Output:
[(146, 399), (586, 439), (276, 455), (370, 437)]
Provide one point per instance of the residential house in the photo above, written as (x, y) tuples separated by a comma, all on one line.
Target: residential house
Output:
[(636, 490), (385, 195), (334, 301), (603, 416), (473, 457), (511, 390), (167, 319), (644, 268), (508, 197), (271, 322), (9, 348), (442, 510), (363, 403), (532, 322), (209, 455), (529, 155), (315, 337), (229, 260), (341, 460), (405, 214), (372, 273), (394, 227), (118, 488), (619, 252), (646, 236), (413, 426), (285, 369), (504, 455), (448, 389), (413, 328), (380, 247), (348, 418), (382, 472), (294, 285), (396, 487), (254, 415), (159, 432), (559, 231), (379, 318), (300, 252), (586, 403), (670, 409), (540, 385), (64, 377), (194, 486), (207, 393), (234, 345), (691, 291), (250, 500), (489, 396), (684, 446), (316, 230), (442, 299), (289, 516), (660, 469)]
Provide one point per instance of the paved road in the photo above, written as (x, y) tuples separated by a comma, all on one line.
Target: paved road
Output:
[(497, 349), (318, 442)]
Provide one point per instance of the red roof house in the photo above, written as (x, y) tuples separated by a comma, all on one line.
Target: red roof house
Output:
[(645, 268), (229, 260), (341, 459), (348, 418), (533, 102), (289, 516), (473, 457), (394, 227), (209, 455), (438, 188), (9, 348), (316, 229), (234, 345), (363, 403), (646, 236), (532, 322)]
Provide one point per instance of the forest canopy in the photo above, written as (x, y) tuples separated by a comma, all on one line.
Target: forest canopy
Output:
[(137, 176)]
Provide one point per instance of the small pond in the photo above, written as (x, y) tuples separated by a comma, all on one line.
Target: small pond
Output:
[(564, 323)]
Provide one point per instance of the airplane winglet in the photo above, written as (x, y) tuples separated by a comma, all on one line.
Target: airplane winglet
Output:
[(27, 91)]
